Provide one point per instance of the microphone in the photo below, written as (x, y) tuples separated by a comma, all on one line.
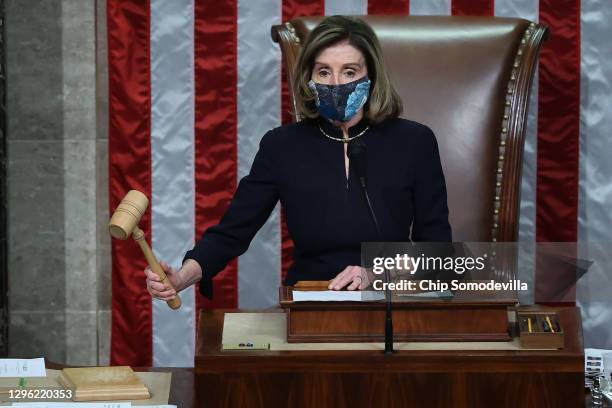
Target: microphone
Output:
[(356, 152)]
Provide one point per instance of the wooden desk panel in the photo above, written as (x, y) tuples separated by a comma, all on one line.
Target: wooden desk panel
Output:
[(551, 378), (476, 316)]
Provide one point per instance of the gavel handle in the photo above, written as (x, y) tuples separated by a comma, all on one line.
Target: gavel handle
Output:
[(139, 236)]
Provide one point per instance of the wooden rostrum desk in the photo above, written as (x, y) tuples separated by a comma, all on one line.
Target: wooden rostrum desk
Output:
[(408, 378)]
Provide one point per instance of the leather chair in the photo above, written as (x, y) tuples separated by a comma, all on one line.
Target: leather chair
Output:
[(468, 79)]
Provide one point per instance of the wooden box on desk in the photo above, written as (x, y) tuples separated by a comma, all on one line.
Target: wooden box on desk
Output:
[(465, 317), (545, 332)]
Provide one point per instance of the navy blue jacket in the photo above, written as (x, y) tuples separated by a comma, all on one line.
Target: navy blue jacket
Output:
[(327, 216)]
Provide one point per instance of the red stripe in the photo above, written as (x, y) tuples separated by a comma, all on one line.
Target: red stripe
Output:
[(286, 246), (388, 7), (129, 168), (558, 138), (558, 123), (216, 129), (473, 7), (300, 8), (292, 9)]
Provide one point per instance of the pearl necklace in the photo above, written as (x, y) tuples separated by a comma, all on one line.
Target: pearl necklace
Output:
[(344, 140)]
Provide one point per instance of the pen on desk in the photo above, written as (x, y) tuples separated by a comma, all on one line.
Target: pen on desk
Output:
[(550, 324), (529, 324)]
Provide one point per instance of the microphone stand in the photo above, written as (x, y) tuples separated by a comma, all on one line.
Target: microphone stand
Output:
[(358, 153), (388, 310)]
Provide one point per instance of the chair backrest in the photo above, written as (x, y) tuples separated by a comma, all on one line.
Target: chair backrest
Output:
[(468, 79)]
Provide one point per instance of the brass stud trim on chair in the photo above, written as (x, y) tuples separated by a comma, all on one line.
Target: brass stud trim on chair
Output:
[(510, 91), (292, 32)]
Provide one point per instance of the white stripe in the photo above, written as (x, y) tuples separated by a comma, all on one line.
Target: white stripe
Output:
[(595, 194), (595, 197), (527, 214), (527, 9), (172, 151), (430, 7), (259, 79), (346, 7)]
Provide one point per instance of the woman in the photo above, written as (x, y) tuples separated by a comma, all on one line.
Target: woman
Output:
[(344, 94)]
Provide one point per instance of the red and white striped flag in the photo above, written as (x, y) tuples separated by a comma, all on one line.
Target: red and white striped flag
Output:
[(195, 84)]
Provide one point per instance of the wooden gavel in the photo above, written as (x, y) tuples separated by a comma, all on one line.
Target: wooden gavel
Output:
[(124, 223)]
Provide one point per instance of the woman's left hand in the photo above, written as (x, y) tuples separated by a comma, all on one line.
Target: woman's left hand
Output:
[(354, 276)]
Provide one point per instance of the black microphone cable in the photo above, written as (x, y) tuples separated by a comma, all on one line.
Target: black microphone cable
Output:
[(356, 152)]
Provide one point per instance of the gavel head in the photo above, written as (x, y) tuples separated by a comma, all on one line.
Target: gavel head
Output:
[(128, 214)]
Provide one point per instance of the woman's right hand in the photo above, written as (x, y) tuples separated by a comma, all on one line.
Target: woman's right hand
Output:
[(161, 290)]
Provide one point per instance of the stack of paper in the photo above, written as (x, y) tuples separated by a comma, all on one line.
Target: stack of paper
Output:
[(361, 295), (83, 405), (336, 296), (74, 404)]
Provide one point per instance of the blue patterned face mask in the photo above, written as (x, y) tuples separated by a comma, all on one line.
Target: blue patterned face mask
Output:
[(341, 102)]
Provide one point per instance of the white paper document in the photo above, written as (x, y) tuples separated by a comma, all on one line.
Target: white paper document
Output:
[(593, 359), (74, 404), (358, 295), (22, 367), (84, 405), (336, 296)]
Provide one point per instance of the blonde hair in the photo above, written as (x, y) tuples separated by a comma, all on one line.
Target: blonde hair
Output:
[(384, 102)]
